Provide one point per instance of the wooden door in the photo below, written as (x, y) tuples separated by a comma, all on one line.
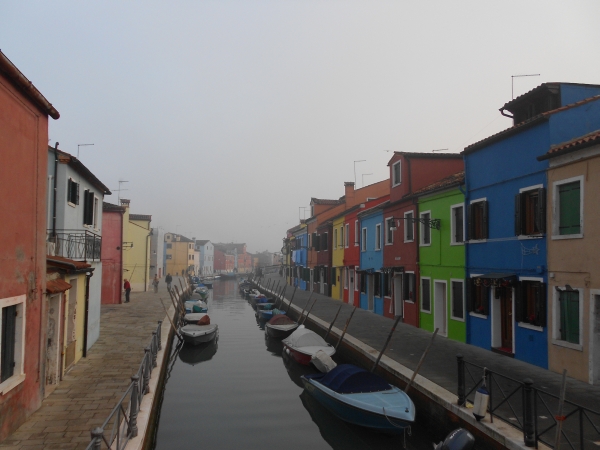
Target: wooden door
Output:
[(506, 319)]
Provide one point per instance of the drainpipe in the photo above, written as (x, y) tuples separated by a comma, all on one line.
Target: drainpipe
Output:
[(504, 114), (467, 271), (147, 269), (88, 275), (55, 189)]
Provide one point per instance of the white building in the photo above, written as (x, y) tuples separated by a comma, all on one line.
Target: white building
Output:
[(74, 224), (207, 256), (157, 250)]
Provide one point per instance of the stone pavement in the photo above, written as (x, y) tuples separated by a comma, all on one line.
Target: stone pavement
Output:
[(92, 387)]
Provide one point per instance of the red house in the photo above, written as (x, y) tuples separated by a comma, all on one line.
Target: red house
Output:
[(322, 271), (219, 262), (112, 253), (409, 172), (24, 142)]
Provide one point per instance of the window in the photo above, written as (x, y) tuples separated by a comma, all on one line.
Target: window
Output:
[(335, 238), (356, 240), (169, 245), (341, 236), (308, 240), (364, 240), (426, 294), (378, 236), (396, 173), (315, 244), (568, 208), (88, 207), (73, 192), (425, 228), (346, 277), (457, 213), (333, 276), (347, 235), (387, 285), (363, 283), (408, 286), (169, 257), (478, 220), (324, 242), (409, 227), (389, 231), (478, 297), (530, 302), (458, 300), (377, 284), (12, 339), (568, 314), (530, 212)]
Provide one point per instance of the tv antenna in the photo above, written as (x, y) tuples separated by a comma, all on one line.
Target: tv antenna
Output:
[(440, 150), (512, 81), (120, 189)]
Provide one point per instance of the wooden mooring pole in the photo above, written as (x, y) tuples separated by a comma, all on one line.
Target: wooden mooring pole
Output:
[(333, 321), (345, 328), (559, 415), (305, 305), (421, 361), (387, 341), (311, 307)]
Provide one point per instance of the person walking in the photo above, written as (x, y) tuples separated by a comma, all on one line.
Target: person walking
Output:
[(127, 288), (169, 280), (155, 283)]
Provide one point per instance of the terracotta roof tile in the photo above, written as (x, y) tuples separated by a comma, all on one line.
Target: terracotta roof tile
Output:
[(140, 217), (56, 286), (61, 261), (444, 183), (322, 201), (587, 140)]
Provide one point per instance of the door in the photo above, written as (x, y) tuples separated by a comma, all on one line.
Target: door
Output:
[(440, 308), (506, 320), (53, 360), (398, 302), (342, 273), (371, 292), (351, 286)]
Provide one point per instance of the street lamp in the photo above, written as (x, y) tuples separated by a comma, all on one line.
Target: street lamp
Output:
[(358, 160)]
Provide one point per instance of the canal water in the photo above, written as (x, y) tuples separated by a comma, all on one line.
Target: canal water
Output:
[(241, 393)]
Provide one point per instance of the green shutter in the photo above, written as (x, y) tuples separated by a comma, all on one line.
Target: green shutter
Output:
[(569, 316), (569, 207)]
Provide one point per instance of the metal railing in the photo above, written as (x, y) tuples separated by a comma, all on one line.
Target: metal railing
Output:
[(529, 409), (121, 424), (75, 244)]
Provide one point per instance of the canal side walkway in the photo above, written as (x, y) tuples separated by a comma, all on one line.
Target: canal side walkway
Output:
[(92, 388), (440, 366)]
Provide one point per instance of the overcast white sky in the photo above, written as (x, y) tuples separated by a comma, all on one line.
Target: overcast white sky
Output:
[(227, 116)]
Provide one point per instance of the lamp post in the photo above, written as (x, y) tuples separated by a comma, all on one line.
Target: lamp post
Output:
[(81, 145), (358, 160)]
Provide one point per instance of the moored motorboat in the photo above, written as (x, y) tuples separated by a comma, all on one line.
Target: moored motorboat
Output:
[(360, 397), (267, 314), (280, 326), (303, 343), (195, 306), (197, 334), (266, 306), (193, 317)]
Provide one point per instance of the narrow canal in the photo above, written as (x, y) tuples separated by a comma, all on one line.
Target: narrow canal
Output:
[(241, 393)]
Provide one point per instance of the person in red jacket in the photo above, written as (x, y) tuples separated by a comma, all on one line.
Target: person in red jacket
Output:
[(127, 288)]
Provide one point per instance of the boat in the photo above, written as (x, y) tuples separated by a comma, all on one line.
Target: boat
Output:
[(195, 306), (267, 314), (280, 326), (362, 398), (193, 317), (196, 354), (303, 343), (199, 334), (265, 306), (274, 346), (208, 284)]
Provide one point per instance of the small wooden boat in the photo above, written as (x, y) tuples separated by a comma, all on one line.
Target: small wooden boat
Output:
[(362, 398), (280, 326), (193, 317), (266, 306), (303, 343), (199, 334), (267, 314), (195, 306)]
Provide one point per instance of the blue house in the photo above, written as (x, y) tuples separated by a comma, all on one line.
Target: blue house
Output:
[(371, 259), (505, 199), (299, 253)]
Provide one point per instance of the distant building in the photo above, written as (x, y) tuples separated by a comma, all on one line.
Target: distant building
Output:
[(207, 256), (112, 253), (241, 262), (179, 254), (157, 244), (136, 248)]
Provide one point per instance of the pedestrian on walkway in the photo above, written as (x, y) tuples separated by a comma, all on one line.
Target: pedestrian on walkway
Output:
[(127, 288), (155, 283), (169, 280)]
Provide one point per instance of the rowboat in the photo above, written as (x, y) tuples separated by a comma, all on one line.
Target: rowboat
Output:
[(362, 398), (193, 317), (198, 334), (195, 306), (280, 326), (267, 314), (303, 343)]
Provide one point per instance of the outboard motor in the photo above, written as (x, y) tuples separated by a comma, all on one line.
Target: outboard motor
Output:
[(459, 439)]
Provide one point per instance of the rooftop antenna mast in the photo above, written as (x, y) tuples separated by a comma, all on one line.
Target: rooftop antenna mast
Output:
[(119, 190), (512, 81), (440, 150)]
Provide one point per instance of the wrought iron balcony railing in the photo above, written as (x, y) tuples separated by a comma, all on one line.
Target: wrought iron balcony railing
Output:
[(80, 245)]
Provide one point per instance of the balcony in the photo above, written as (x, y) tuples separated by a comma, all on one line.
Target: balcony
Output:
[(79, 245)]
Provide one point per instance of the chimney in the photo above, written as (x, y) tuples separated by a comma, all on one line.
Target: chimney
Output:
[(125, 202), (349, 193)]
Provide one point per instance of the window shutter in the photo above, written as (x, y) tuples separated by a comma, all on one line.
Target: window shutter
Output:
[(518, 222), (86, 207), (540, 305), (540, 214), (519, 302), (471, 222), (485, 220), (457, 299), (469, 287), (76, 185), (8, 337), (486, 301)]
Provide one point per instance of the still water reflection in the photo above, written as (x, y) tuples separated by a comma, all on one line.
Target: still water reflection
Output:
[(241, 393)]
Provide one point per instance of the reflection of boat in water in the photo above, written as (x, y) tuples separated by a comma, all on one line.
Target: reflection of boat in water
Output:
[(260, 322), (199, 353), (295, 370), (274, 346)]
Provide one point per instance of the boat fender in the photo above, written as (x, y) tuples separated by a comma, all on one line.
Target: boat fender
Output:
[(482, 398), (459, 439)]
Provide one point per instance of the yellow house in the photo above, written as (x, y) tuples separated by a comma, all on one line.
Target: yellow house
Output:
[(337, 257), (136, 249), (179, 254)]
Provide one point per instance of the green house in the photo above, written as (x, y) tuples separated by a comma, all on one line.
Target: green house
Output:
[(442, 257)]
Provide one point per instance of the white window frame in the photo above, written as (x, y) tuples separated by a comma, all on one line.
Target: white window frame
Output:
[(399, 181), (363, 241), (378, 237), (347, 235), (556, 208), (389, 234), (356, 234), (335, 238), (479, 241), (427, 311), (19, 374), (453, 224), (422, 230), (409, 223), (464, 302), (556, 320)]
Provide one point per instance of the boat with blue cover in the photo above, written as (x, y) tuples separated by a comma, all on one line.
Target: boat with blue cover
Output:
[(195, 306), (267, 314), (360, 397)]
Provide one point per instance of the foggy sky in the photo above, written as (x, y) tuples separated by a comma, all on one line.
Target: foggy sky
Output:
[(227, 116)]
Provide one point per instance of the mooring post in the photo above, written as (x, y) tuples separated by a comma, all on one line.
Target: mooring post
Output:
[(134, 406), (386, 343), (528, 418), (97, 435), (460, 359), (333, 321), (277, 287), (310, 309), (345, 328)]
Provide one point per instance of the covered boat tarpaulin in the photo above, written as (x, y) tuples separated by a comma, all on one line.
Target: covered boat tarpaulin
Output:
[(303, 337), (350, 379), (281, 319)]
